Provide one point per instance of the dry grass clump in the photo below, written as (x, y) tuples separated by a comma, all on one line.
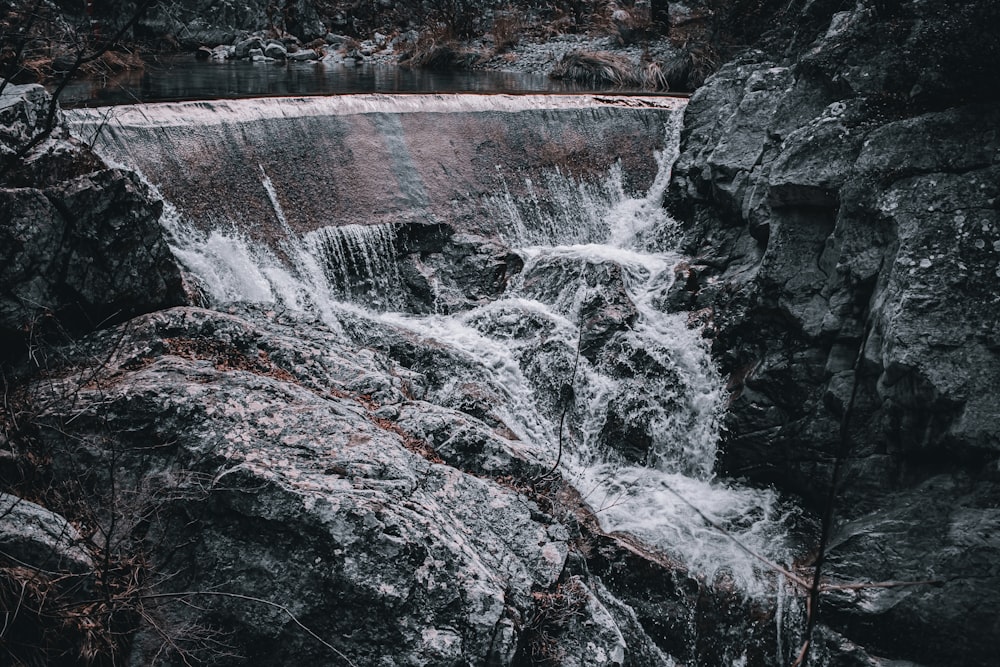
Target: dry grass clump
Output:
[(69, 618), (604, 68), (652, 76), (113, 62), (595, 67), (690, 66), (554, 611), (436, 50)]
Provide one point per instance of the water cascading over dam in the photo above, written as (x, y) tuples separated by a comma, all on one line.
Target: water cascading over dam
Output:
[(366, 159), (513, 250)]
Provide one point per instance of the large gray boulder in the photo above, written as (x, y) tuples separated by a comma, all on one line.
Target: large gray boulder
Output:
[(80, 245), (32, 154), (37, 538), (22, 112), (275, 475)]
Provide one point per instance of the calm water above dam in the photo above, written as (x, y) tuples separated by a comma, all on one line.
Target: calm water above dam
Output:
[(184, 78)]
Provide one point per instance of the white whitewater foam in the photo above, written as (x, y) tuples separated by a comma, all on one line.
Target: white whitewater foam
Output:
[(581, 212), (355, 259)]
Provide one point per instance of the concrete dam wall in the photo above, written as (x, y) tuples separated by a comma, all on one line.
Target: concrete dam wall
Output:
[(270, 166)]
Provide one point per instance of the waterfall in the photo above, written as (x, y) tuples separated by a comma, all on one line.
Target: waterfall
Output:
[(369, 159), (574, 358), (642, 427)]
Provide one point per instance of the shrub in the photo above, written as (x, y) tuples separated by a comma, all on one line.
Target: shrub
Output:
[(596, 67), (602, 68), (507, 29)]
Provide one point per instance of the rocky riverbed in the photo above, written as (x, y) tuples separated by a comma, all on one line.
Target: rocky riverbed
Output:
[(249, 483)]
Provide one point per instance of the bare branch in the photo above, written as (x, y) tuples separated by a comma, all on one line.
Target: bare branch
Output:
[(250, 598), (82, 58), (790, 576)]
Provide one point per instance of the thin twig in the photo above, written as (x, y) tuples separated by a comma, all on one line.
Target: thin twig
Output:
[(167, 640), (25, 37), (566, 398), (250, 598), (879, 584), (82, 58), (843, 450), (791, 576), (10, 617)]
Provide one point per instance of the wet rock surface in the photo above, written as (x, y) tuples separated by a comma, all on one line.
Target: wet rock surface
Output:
[(302, 472), (846, 253)]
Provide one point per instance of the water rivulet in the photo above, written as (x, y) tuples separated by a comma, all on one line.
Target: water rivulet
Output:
[(474, 431)]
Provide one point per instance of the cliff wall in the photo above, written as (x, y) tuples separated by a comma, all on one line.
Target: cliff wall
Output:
[(840, 189)]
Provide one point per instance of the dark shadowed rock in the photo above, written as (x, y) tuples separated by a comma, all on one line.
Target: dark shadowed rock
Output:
[(605, 307), (944, 531), (84, 252), (303, 55), (275, 50), (81, 245), (447, 272), (242, 48), (23, 118), (847, 233)]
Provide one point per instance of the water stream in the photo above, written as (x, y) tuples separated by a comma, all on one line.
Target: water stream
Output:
[(583, 362)]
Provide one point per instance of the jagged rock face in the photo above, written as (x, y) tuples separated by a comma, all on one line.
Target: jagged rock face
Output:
[(84, 251), (848, 257), (266, 445), (82, 245), (23, 115)]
